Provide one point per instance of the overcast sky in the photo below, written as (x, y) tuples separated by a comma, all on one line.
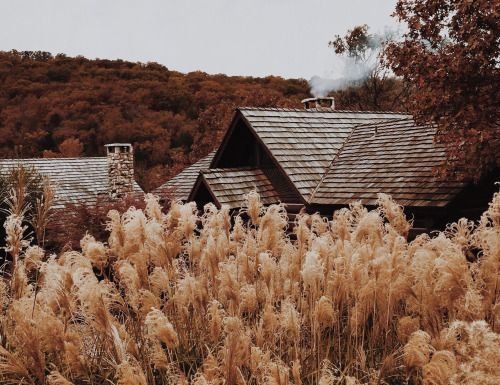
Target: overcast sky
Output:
[(236, 37)]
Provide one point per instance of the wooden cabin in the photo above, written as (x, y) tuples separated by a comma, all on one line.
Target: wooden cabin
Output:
[(321, 159)]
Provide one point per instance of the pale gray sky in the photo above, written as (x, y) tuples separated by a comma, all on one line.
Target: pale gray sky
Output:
[(236, 37)]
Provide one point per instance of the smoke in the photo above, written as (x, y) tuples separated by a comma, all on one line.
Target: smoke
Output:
[(353, 72), (354, 69)]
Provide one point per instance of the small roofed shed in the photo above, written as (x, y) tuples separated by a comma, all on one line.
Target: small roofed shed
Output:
[(319, 160)]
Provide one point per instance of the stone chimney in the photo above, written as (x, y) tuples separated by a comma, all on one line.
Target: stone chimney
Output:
[(325, 103), (120, 169)]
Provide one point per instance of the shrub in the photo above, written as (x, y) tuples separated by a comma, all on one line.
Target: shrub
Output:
[(70, 224)]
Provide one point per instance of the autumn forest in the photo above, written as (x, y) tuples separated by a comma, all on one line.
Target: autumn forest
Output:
[(60, 106)]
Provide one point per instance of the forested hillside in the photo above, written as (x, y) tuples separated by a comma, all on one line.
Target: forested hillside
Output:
[(62, 106)]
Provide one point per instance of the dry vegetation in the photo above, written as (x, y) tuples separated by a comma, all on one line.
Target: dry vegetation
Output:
[(179, 298)]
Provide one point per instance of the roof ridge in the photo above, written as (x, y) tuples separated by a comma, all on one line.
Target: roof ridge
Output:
[(220, 169), (288, 109), (409, 119), (328, 168)]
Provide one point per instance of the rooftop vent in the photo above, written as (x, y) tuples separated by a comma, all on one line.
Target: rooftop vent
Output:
[(325, 103)]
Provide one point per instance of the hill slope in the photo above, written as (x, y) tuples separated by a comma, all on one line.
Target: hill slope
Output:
[(62, 106)]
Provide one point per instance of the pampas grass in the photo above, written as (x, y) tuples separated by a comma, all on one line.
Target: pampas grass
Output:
[(159, 327), (203, 298)]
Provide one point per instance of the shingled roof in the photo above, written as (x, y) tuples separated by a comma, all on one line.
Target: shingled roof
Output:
[(76, 180), (326, 157), (393, 157), (242, 181), (304, 142), (180, 185)]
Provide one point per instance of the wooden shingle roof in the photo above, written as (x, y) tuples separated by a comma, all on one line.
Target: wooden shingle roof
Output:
[(75, 180), (329, 158), (304, 142), (392, 157), (230, 185), (180, 185)]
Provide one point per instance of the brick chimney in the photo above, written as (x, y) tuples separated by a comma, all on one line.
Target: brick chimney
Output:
[(324, 103), (120, 169)]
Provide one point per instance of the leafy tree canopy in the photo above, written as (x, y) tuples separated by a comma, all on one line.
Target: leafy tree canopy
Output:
[(374, 87), (449, 56)]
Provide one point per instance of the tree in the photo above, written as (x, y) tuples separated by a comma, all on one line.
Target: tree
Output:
[(69, 148), (450, 58), (370, 86), (357, 43)]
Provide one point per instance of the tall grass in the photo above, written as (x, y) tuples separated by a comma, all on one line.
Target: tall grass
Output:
[(183, 298)]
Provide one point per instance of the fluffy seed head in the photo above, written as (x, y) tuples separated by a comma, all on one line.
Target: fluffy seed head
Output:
[(158, 326), (418, 349)]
